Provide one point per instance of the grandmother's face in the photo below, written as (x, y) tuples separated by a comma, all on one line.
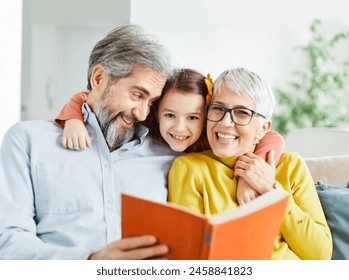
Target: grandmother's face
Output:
[(225, 137)]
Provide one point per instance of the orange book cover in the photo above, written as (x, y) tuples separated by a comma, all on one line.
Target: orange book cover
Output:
[(245, 233)]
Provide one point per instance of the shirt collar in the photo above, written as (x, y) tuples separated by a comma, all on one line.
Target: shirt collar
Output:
[(141, 132)]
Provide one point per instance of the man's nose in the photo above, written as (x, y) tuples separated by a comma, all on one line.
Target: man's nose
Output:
[(142, 111)]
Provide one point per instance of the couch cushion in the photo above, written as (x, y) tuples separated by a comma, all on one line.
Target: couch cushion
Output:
[(332, 170), (335, 202)]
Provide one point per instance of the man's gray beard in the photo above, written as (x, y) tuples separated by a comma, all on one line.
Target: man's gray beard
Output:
[(115, 139)]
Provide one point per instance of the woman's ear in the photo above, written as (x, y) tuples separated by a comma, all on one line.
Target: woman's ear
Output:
[(265, 127)]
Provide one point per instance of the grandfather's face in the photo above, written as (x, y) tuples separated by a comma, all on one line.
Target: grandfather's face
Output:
[(225, 137), (125, 103)]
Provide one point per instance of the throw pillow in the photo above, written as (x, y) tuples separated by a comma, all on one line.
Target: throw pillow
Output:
[(335, 203)]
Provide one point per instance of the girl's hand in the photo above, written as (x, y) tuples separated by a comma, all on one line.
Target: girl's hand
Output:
[(244, 192), (75, 135)]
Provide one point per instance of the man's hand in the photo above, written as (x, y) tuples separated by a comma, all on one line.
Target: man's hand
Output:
[(132, 248)]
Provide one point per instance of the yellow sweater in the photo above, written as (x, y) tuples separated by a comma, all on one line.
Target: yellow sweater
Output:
[(206, 184)]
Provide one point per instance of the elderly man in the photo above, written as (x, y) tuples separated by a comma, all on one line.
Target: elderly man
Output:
[(56, 203)]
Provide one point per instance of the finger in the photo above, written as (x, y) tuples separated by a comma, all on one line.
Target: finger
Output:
[(242, 165), (253, 196), (246, 200), (243, 158), (271, 158), (88, 142), (250, 155), (157, 258), (82, 142), (248, 158), (146, 253), (76, 143), (241, 201), (239, 172), (70, 143), (64, 142), (135, 242)]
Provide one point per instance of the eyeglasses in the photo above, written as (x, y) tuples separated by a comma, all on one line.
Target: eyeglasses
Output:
[(240, 116)]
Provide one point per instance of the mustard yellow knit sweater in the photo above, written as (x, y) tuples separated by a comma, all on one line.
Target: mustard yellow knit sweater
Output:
[(206, 184)]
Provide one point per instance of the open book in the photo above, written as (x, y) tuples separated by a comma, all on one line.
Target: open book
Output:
[(247, 232)]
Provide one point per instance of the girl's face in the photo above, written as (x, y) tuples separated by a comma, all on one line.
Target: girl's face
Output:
[(181, 118), (225, 137)]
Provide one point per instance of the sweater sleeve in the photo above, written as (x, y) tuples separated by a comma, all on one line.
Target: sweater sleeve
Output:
[(271, 141), (304, 227), (72, 109)]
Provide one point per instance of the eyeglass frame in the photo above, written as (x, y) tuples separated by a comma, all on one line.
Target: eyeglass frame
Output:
[(227, 110)]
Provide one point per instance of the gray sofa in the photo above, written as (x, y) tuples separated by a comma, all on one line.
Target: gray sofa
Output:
[(331, 169), (333, 191)]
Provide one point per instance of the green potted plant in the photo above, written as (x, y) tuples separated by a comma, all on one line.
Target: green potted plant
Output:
[(312, 98)]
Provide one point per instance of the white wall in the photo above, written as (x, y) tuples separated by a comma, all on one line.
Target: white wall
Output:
[(58, 66), (208, 35), (214, 35), (10, 62), (58, 39)]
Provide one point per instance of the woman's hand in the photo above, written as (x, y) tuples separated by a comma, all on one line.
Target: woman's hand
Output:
[(257, 173)]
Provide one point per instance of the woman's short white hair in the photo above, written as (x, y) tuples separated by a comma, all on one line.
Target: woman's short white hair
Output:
[(245, 82)]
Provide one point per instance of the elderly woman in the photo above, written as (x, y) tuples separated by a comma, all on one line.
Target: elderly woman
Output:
[(237, 118)]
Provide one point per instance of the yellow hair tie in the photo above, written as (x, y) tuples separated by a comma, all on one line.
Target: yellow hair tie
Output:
[(209, 84)]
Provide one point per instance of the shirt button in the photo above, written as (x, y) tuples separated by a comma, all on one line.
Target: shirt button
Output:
[(110, 200), (113, 231), (107, 164)]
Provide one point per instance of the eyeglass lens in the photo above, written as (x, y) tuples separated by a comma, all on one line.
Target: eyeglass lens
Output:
[(239, 116)]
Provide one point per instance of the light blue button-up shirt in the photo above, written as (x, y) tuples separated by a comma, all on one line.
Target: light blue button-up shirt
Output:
[(57, 203)]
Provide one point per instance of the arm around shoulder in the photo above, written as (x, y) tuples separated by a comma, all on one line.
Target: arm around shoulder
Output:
[(271, 141), (72, 109)]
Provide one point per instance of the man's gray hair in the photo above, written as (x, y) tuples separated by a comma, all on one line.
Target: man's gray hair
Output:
[(124, 48), (245, 82)]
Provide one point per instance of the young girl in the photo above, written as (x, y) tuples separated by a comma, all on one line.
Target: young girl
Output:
[(177, 119)]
